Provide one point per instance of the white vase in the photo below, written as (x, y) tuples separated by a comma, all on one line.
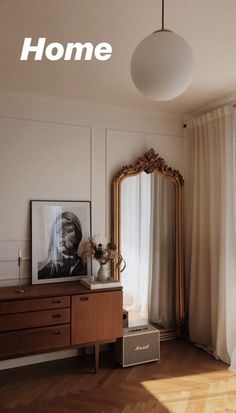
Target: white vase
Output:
[(103, 272)]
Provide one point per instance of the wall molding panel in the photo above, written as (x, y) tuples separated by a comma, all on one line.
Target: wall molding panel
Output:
[(67, 150)]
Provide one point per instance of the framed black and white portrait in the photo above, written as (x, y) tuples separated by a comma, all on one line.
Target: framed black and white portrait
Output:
[(58, 229)]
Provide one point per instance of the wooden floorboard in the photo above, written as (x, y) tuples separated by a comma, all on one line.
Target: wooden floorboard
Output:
[(185, 380)]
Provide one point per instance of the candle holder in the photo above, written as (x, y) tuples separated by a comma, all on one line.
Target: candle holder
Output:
[(20, 289)]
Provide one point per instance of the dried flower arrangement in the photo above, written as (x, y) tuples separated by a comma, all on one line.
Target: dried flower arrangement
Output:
[(103, 253)]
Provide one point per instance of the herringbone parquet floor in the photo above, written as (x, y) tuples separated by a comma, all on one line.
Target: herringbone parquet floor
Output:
[(186, 380)]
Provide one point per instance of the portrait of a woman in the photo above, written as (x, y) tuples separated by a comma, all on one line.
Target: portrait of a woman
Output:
[(63, 259), (58, 230)]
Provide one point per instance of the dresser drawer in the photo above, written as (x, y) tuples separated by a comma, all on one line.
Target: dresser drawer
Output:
[(35, 304), (34, 340), (32, 319)]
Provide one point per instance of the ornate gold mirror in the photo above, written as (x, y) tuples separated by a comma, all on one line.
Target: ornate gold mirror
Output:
[(147, 229)]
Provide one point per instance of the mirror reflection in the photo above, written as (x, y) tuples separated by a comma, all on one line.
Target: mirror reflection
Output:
[(148, 243)]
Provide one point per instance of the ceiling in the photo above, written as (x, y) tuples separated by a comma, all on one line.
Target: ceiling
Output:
[(209, 26)]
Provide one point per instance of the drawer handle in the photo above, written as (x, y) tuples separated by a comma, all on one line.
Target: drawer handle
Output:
[(84, 298), (56, 316), (57, 333), (56, 301)]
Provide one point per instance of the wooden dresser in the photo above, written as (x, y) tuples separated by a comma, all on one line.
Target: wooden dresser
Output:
[(59, 316)]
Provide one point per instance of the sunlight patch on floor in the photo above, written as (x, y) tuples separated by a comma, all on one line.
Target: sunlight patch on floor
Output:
[(213, 392)]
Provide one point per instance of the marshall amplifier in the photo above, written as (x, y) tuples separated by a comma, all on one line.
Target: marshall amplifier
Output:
[(138, 345)]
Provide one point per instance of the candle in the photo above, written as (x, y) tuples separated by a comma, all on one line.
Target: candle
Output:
[(19, 256), (20, 290)]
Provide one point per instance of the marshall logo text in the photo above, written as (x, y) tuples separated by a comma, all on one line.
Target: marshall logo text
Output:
[(140, 348)]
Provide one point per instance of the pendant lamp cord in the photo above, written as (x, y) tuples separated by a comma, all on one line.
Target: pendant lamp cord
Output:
[(163, 15)]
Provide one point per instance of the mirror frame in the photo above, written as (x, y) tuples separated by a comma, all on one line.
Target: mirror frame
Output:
[(151, 162)]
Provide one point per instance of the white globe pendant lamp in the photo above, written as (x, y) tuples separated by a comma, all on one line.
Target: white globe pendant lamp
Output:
[(162, 65)]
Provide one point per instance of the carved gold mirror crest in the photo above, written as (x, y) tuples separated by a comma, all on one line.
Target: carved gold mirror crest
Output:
[(148, 231)]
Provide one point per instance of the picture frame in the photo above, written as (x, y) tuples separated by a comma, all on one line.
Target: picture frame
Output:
[(58, 229)]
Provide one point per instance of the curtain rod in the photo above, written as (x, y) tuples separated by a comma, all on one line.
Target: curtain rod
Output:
[(208, 108), (229, 100)]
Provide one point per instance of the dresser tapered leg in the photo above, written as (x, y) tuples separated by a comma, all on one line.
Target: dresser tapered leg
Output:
[(96, 356)]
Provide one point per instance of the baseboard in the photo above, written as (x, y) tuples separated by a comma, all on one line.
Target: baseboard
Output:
[(38, 358), (42, 358)]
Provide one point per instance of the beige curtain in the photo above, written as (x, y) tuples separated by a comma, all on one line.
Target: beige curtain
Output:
[(212, 301), (162, 253)]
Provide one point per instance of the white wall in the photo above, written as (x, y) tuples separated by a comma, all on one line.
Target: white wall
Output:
[(66, 150)]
